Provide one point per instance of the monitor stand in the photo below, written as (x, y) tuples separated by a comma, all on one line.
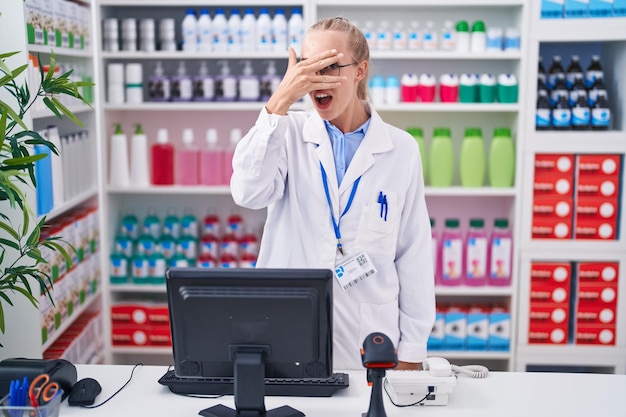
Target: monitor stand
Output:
[(249, 372)]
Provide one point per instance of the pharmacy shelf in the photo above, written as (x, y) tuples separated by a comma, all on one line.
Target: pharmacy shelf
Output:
[(76, 109), (463, 290), (471, 354), (545, 249), (70, 320), (138, 289), (572, 353), (580, 30), (60, 52), (70, 204), (185, 55), (576, 141), (470, 192), (193, 106), (174, 189), (424, 3), (145, 350), (446, 55), (200, 3), (450, 107)]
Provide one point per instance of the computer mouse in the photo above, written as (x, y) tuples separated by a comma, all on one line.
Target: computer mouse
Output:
[(84, 392)]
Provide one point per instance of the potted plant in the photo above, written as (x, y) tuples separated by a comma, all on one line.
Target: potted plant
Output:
[(21, 244)]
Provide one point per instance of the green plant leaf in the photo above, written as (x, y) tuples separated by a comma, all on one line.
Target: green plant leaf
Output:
[(7, 228), (14, 116), (5, 297), (3, 128), (9, 243), (8, 54), (2, 328), (67, 112), (34, 236), (29, 296), (51, 67), (50, 105), (24, 160)]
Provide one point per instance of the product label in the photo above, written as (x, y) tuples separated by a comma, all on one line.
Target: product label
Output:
[(501, 257), (140, 268), (561, 117), (451, 261), (580, 116), (156, 267), (600, 117), (119, 267), (476, 264), (542, 118)]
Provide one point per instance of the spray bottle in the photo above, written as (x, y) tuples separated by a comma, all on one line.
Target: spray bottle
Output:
[(225, 84), (159, 85), (182, 86), (269, 81), (249, 89), (203, 85)]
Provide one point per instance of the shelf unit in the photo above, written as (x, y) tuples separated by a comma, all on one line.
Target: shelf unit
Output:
[(23, 336), (607, 38)]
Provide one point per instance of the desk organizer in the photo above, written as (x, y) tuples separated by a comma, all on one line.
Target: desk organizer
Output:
[(49, 410)]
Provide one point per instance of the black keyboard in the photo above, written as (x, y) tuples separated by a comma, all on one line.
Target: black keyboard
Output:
[(287, 387)]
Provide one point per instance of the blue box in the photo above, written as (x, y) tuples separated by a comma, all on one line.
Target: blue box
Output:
[(477, 330), (552, 9), (456, 330), (576, 9), (438, 333), (600, 8), (500, 330), (619, 8)]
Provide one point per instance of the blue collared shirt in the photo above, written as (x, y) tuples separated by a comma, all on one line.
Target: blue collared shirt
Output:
[(345, 146)]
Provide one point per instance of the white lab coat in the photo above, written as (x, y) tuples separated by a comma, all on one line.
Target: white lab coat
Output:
[(277, 165)]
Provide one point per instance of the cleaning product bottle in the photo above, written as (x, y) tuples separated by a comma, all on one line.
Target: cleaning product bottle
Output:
[(203, 84), (573, 70), (159, 88), (211, 159), (187, 159), (476, 254), (451, 254), (162, 154), (383, 36), (130, 224), (157, 265), (448, 38), (189, 223), (188, 246), (235, 223), (205, 31), (543, 112), (235, 136), (249, 88), (190, 31), (554, 71), (414, 35), (418, 134), (562, 113), (269, 82), (211, 222), (168, 244), (220, 31), (171, 224), (601, 113), (295, 29), (118, 268), (264, 31), (139, 170), (462, 36), (249, 242), (594, 71), (399, 40), (234, 31), (472, 162), (370, 34), (119, 172), (429, 36), (123, 244), (206, 260), (500, 254), (248, 31), (225, 84), (152, 224), (478, 37), (279, 31), (182, 84), (501, 158), (441, 162)]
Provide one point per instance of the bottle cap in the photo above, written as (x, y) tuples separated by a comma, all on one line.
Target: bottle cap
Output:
[(271, 68), (462, 26), (162, 136), (191, 12), (377, 81), (187, 136), (235, 135), (502, 132), (478, 26), (204, 11), (452, 223), (392, 81), (432, 222), (247, 67), (138, 129), (501, 223), (118, 129), (211, 135), (477, 223), (415, 131)]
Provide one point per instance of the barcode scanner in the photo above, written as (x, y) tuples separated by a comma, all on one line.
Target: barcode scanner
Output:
[(377, 354)]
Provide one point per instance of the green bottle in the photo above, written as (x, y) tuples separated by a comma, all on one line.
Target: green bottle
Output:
[(171, 224), (152, 224), (156, 268), (501, 158), (441, 163), (139, 269), (118, 269), (189, 224), (472, 164), (130, 224), (168, 246), (418, 134)]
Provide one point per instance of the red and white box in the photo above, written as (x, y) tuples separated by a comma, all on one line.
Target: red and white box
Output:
[(552, 228), (607, 272), (592, 334), (597, 186), (158, 315), (598, 294), (600, 208), (549, 293), (550, 313), (553, 206), (599, 164), (160, 336), (547, 334), (554, 163), (595, 229), (129, 335), (134, 313), (553, 184), (595, 314), (556, 273)]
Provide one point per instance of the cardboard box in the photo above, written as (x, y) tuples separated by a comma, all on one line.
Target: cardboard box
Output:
[(129, 335), (597, 186), (576, 9), (597, 208), (595, 229), (600, 8), (606, 165), (159, 336), (551, 228), (595, 314), (134, 313), (606, 272), (555, 273), (158, 315), (554, 163), (499, 329), (595, 335), (552, 9), (619, 7), (549, 313), (597, 294), (549, 293), (552, 206), (438, 333), (553, 184), (547, 334), (456, 329), (477, 329)]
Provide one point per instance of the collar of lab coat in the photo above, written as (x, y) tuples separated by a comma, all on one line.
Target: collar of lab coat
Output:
[(376, 140)]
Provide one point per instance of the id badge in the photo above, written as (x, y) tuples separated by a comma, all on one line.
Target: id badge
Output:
[(354, 270)]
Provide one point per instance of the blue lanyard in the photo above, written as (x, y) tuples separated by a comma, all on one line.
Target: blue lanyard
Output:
[(332, 216)]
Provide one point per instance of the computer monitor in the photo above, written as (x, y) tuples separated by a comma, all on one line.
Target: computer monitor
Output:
[(251, 324)]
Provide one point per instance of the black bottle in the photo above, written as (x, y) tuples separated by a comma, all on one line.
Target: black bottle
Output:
[(562, 114), (577, 89), (559, 88), (541, 72), (581, 116), (573, 70), (543, 113), (596, 89), (600, 113), (554, 71), (594, 71)]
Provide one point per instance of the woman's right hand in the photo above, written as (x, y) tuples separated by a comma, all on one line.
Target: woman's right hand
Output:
[(301, 78)]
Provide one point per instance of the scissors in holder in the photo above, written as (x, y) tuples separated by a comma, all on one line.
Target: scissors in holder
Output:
[(42, 390)]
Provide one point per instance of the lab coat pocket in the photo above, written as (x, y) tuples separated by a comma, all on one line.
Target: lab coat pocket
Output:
[(380, 318), (378, 225)]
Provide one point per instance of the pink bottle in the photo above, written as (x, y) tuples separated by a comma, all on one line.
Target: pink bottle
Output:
[(235, 136), (162, 155), (476, 250), (451, 254), (449, 88), (187, 160), (501, 254), (426, 88), (211, 159), (409, 88)]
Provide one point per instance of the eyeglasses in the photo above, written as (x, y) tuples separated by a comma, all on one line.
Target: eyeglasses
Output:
[(334, 69)]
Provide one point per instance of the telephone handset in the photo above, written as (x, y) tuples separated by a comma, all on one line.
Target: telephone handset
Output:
[(437, 366)]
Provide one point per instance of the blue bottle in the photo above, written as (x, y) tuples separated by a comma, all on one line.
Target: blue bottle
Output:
[(43, 176)]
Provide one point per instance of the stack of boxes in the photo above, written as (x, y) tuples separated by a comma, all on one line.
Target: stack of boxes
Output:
[(576, 196), (82, 342), (140, 324), (549, 314)]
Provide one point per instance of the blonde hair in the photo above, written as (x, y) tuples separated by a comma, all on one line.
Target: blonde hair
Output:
[(356, 42)]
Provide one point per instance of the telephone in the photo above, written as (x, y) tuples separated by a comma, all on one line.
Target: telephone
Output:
[(431, 386)]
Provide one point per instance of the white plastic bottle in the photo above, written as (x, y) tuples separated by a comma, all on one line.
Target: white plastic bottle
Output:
[(279, 31), (448, 38), (478, 37), (225, 83), (205, 31), (429, 36), (295, 29), (118, 166), (182, 84), (383, 38), (190, 31), (414, 35), (399, 41), (220, 31), (248, 31), (370, 34), (249, 88), (234, 31), (203, 84), (264, 31), (139, 170)]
